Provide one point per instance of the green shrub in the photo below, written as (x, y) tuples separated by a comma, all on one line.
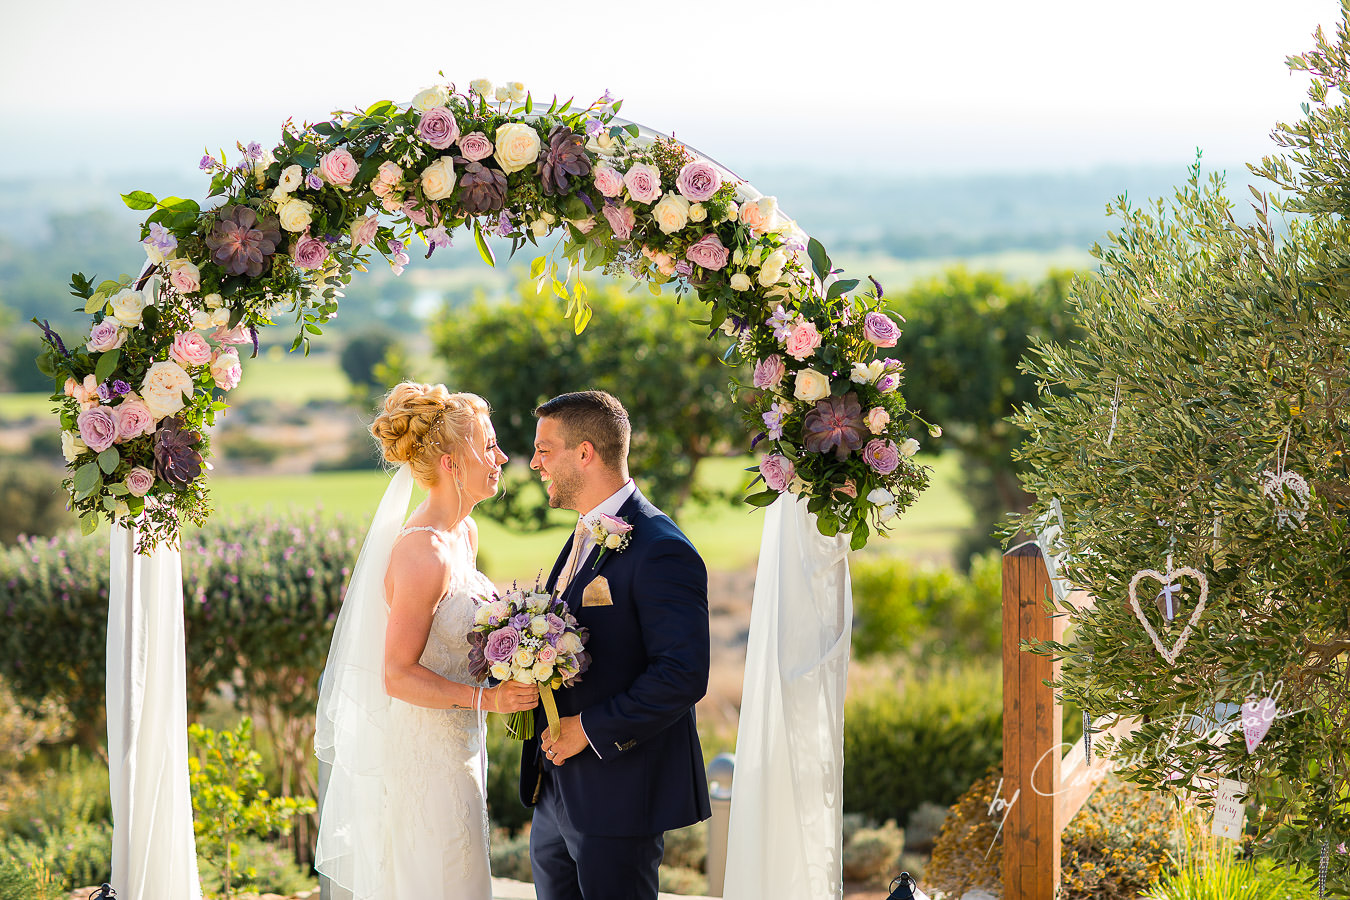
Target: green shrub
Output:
[(872, 854), (927, 741), (228, 799), (510, 854), (20, 881), (60, 797), (904, 607), (503, 780), (33, 500), (73, 857), (687, 848), (1112, 849), (674, 880), (1214, 870), (264, 868)]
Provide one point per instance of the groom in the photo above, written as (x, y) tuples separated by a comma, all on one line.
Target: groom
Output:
[(626, 766)]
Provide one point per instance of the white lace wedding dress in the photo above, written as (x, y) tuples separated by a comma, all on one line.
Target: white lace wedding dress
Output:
[(405, 813), (438, 840)]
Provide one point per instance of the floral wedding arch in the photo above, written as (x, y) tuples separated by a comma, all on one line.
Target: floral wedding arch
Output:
[(292, 224)]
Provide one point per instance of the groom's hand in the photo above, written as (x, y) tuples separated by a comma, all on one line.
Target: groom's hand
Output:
[(571, 741)]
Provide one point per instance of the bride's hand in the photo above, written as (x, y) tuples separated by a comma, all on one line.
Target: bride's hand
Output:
[(511, 696)]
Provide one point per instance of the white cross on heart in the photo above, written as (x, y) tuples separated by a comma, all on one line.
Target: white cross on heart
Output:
[(1167, 581)]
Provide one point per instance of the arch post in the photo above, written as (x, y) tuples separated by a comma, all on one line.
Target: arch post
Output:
[(1032, 732)]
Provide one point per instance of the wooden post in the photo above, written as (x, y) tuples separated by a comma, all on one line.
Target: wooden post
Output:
[(1032, 732)]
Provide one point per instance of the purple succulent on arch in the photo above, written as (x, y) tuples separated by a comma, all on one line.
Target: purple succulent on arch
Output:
[(836, 423), (565, 157), (242, 244), (484, 188), (176, 458)]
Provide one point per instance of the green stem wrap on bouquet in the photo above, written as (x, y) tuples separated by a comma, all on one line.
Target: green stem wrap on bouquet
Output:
[(519, 724)]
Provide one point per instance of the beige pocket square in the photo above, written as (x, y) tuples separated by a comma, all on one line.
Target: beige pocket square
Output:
[(597, 593)]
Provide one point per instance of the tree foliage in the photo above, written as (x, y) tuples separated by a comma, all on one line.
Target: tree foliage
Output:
[(964, 335), (641, 349), (1229, 348)]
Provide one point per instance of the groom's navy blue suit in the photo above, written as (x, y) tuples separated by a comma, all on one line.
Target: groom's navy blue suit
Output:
[(643, 773)]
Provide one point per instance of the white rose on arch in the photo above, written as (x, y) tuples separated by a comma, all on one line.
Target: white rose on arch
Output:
[(430, 97), (438, 179), (166, 389), (126, 306), (671, 213), (295, 215), (811, 386), (518, 145)]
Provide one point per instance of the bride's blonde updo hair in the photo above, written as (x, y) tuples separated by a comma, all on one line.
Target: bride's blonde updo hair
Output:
[(422, 422)]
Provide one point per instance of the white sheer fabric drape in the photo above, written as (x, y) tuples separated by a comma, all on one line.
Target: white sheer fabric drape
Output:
[(153, 853), (787, 805), (352, 724)]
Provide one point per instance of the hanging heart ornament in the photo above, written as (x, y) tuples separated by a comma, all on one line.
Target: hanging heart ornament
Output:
[(1281, 486), (1167, 580)]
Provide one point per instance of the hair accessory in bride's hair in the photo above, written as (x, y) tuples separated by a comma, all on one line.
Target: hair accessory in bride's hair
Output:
[(430, 436)]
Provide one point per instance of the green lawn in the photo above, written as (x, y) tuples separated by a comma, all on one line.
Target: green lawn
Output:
[(19, 407), (291, 378), (727, 536)]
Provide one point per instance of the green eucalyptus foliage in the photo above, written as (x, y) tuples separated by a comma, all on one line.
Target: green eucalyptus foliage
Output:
[(1228, 347)]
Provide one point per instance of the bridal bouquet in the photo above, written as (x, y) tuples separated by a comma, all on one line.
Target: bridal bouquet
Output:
[(528, 636)]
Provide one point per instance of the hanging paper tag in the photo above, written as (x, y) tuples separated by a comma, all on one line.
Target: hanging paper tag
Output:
[(1230, 815), (1256, 718)]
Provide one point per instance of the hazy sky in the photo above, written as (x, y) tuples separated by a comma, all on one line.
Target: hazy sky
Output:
[(923, 87)]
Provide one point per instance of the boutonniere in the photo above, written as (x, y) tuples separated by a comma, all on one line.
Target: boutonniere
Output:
[(611, 533)]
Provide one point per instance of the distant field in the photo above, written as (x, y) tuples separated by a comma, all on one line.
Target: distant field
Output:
[(1017, 265), (17, 407), (292, 378), (727, 536)]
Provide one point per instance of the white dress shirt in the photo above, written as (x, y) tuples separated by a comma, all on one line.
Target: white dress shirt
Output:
[(608, 507)]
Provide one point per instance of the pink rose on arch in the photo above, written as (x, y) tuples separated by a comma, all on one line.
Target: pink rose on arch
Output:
[(226, 369), (419, 216), (104, 336), (643, 183), (803, 340), (475, 146), (769, 372), (778, 471), (364, 230), (338, 167), (184, 276), (698, 181), (98, 428), (502, 644), (438, 127), (139, 481), (882, 456), (190, 349), (877, 420), (880, 330), (607, 181), (389, 173), (310, 253), (236, 335), (133, 419), (708, 252), (621, 220)]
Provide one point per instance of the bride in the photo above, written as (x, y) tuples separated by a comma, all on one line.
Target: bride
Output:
[(400, 719)]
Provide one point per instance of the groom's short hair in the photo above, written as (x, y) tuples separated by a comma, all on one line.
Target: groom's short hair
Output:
[(595, 416)]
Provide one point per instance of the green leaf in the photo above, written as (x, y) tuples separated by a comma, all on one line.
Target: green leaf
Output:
[(95, 302), (381, 108), (118, 489), (820, 260), (483, 249), (583, 317), (88, 523), (107, 364), (860, 535), (87, 478), (841, 287), (762, 499), (529, 104), (537, 267), (179, 204), (109, 502), (139, 200)]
